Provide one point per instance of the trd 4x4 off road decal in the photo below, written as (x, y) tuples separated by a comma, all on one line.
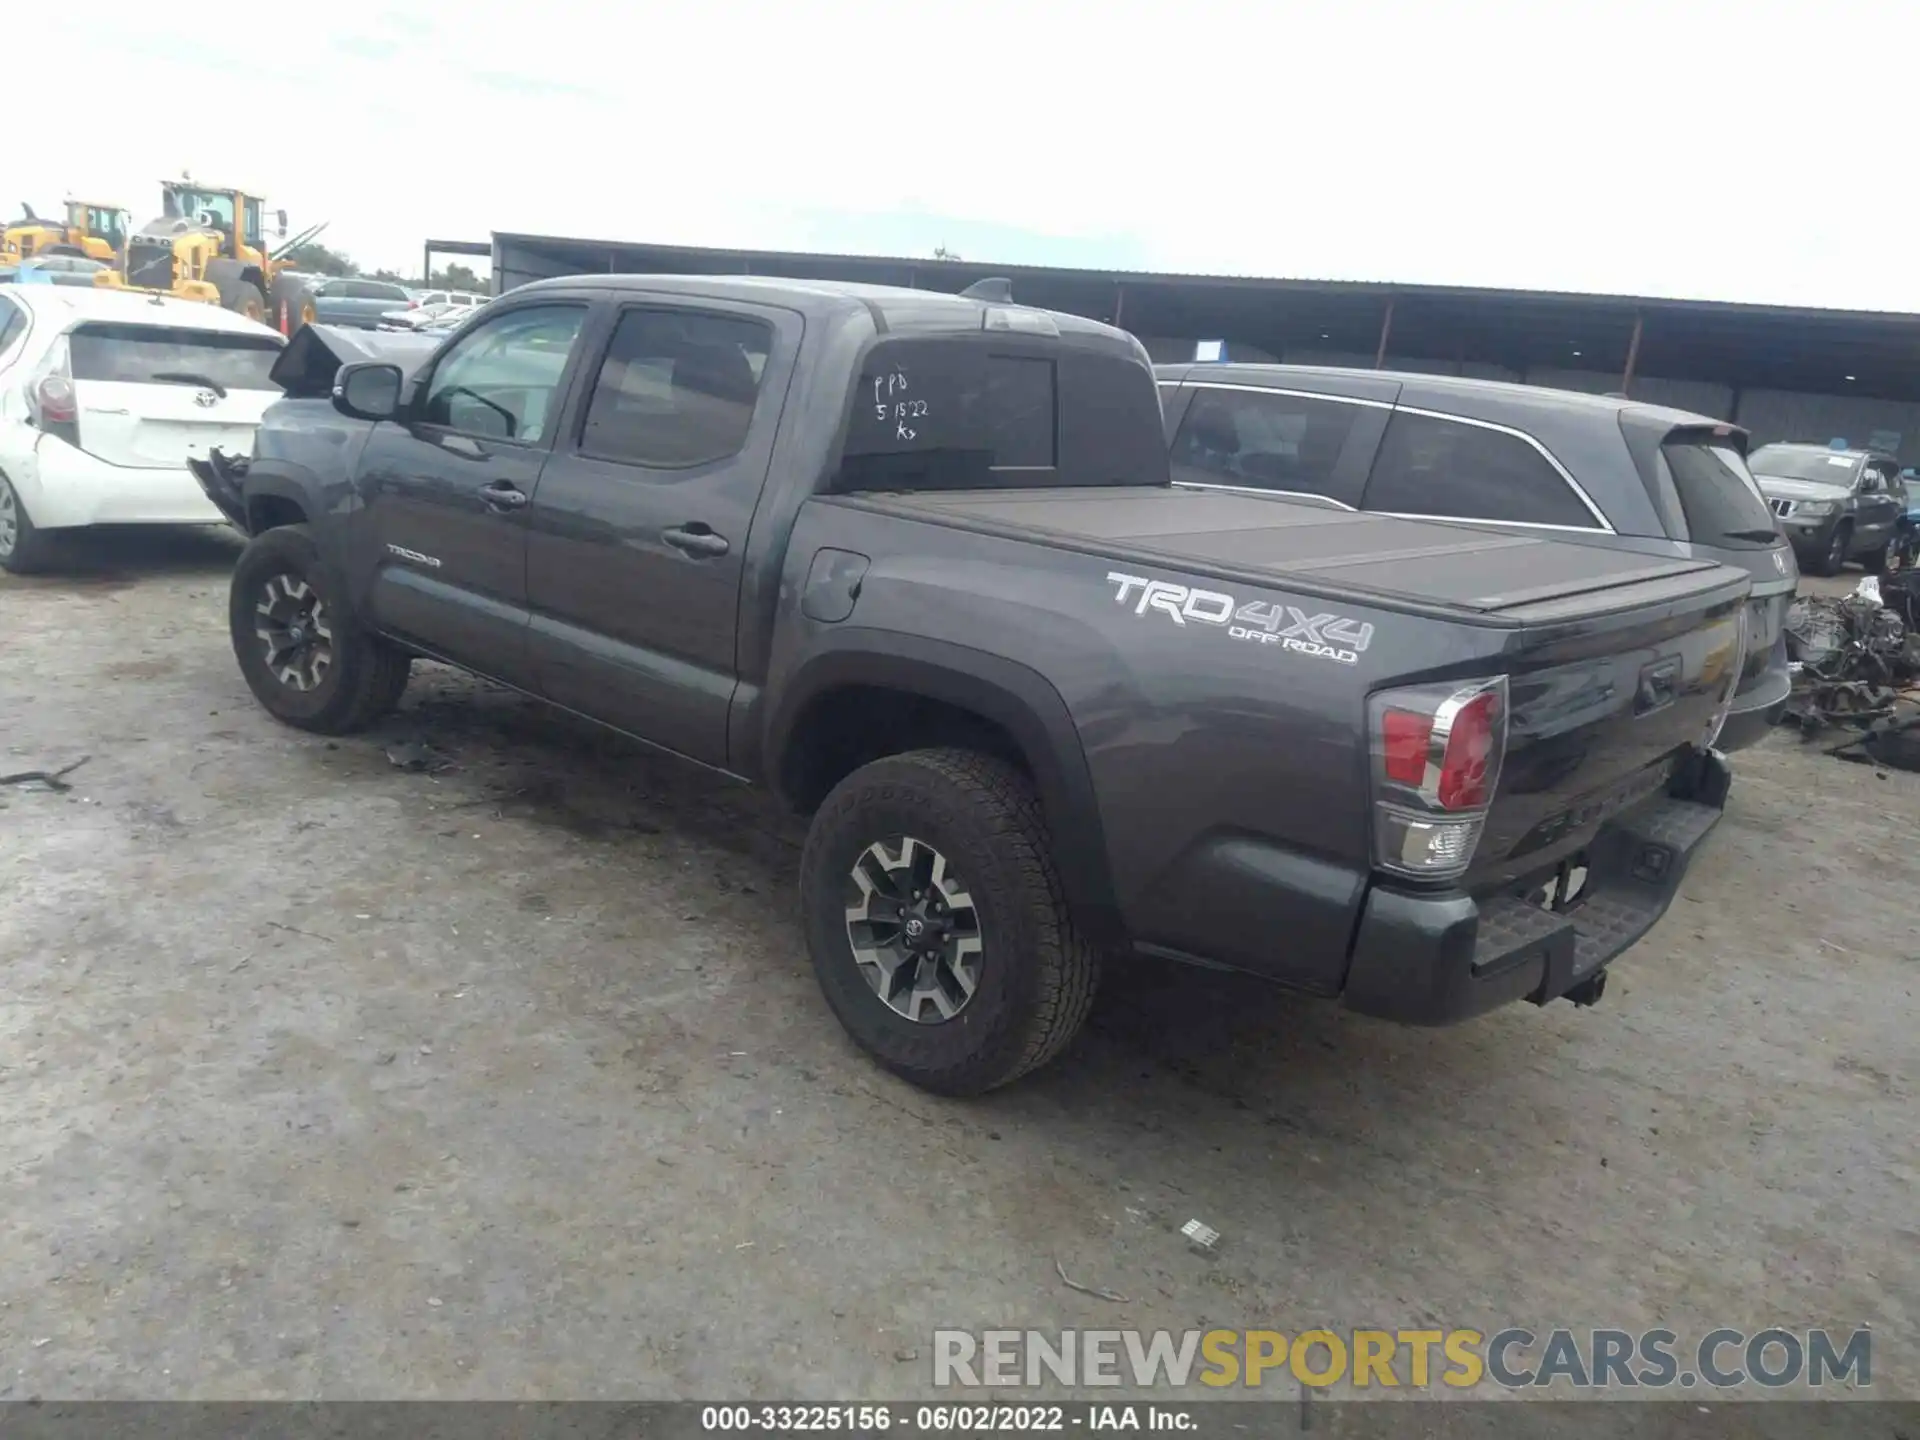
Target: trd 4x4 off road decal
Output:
[(1329, 637)]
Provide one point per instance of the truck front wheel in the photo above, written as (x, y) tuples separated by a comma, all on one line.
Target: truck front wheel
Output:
[(304, 655), (937, 924)]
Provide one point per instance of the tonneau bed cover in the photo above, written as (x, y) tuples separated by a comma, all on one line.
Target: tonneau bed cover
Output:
[(1504, 577)]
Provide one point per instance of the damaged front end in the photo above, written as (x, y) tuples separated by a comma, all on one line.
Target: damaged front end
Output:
[(305, 372), (223, 477)]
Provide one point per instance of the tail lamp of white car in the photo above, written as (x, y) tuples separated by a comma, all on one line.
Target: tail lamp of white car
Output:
[(1437, 752), (52, 401)]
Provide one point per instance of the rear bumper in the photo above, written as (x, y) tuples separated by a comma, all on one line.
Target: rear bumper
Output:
[(1757, 709), (1434, 959), (63, 488)]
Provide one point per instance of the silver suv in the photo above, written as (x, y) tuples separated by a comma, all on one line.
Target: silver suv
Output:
[(1834, 505)]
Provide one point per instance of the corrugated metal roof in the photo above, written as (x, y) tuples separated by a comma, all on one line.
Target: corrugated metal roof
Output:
[(1382, 288)]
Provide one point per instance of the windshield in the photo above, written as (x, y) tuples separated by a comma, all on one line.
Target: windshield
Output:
[(154, 354), (1821, 467), (189, 204)]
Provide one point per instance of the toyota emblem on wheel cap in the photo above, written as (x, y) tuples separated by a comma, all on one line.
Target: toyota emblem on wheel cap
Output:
[(205, 399)]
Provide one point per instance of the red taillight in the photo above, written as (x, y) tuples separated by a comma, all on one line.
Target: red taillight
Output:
[(1404, 739), (54, 399), (1466, 774), (1437, 751)]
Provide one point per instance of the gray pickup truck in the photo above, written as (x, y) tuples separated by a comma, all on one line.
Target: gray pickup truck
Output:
[(914, 561)]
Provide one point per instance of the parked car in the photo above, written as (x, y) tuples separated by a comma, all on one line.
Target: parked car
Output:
[(77, 270), (1520, 458), (442, 314), (356, 302), (914, 561), (458, 299), (105, 395), (1834, 505)]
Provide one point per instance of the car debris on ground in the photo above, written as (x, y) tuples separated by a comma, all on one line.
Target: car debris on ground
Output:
[(1856, 668), (47, 779)]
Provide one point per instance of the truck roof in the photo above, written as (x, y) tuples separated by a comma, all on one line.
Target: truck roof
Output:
[(894, 309)]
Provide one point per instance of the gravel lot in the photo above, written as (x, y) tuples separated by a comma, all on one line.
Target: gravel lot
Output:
[(322, 1077)]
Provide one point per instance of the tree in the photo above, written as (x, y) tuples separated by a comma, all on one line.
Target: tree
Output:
[(941, 252), (457, 277), (316, 259), (392, 277)]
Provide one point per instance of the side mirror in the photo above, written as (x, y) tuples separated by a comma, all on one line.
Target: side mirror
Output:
[(280, 218), (367, 391)]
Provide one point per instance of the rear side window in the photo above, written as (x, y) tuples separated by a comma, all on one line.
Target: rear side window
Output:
[(1718, 495), (13, 323), (165, 355), (676, 389), (1266, 441), (1433, 466)]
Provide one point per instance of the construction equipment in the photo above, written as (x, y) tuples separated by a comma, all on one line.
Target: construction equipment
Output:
[(209, 244), (93, 230)]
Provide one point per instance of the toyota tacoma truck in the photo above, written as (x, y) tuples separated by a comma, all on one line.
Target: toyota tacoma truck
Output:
[(914, 562)]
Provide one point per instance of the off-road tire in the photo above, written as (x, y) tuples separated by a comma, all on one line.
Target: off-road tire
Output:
[(367, 674), (246, 299), (1842, 545), (1037, 973), (32, 549)]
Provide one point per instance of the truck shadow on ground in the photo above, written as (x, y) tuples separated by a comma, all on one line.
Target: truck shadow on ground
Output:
[(1228, 1042)]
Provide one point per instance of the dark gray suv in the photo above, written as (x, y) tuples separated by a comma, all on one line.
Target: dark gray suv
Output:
[(1593, 468), (1833, 505)]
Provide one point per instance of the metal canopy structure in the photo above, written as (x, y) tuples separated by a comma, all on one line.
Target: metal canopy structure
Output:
[(1864, 354)]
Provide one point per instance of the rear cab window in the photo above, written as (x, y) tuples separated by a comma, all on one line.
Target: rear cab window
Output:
[(1460, 470), (996, 411), (172, 355)]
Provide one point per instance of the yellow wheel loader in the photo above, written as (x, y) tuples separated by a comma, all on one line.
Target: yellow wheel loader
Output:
[(93, 230), (209, 244)]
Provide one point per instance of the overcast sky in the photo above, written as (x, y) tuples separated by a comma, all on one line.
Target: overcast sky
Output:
[(1740, 151)]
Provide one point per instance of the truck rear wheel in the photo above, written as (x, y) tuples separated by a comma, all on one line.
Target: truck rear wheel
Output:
[(937, 924), (304, 656)]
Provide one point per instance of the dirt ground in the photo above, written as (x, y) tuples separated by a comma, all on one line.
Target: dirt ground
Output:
[(508, 1077)]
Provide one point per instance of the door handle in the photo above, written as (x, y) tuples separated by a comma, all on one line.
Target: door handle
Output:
[(502, 496), (696, 540)]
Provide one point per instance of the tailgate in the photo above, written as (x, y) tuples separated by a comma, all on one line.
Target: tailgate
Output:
[(1600, 711), (163, 426)]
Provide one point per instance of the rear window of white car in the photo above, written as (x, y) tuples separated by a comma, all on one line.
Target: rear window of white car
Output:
[(167, 355)]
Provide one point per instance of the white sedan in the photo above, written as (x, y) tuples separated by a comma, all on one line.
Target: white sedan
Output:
[(104, 397)]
